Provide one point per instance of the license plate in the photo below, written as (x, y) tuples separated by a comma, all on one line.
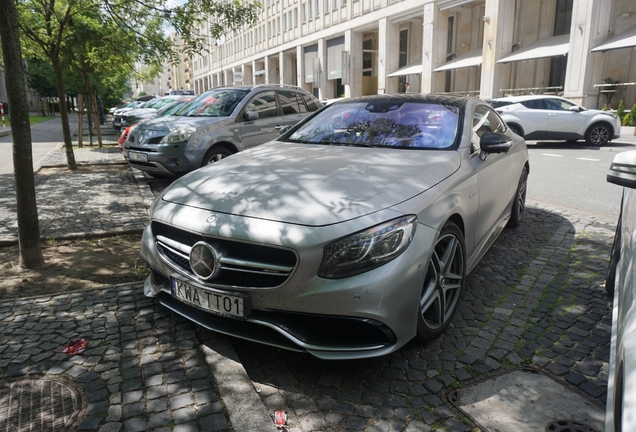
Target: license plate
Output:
[(142, 157), (218, 302)]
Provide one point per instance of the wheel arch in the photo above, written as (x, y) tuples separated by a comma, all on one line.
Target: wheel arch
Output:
[(514, 125), (458, 220), (226, 145), (600, 122)]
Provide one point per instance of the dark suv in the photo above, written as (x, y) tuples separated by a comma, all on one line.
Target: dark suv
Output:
[(214, 125)]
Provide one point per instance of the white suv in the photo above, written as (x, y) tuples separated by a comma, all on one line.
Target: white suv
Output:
[(540, 117)]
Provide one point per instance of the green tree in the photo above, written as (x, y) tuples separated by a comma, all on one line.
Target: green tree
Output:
[(28, 224), (620, 112), (41, 79)]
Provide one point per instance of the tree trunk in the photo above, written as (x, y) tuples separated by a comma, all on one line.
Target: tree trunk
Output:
[(66, 130), (28, 224)]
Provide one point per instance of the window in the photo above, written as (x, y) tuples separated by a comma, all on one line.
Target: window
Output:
[(264, 104), (295, 17), (288, 102), (327, 5), (311, 9), (335, 4), (533, 104), (317, 8), (304, 16), (312, 105), (367, 57), (558, 105), (485, 120)]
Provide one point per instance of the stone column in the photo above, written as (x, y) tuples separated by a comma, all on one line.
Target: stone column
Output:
[(300, 68), (322, 80), (590, 25), (353, 45), (498, 39), (434, 29), (388, 55)]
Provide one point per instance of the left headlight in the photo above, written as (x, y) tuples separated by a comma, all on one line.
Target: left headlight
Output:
[(179, 134), (367, 249)]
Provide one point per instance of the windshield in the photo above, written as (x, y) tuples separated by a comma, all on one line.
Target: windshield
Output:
[(416, 125), (172, 108), (215, 103)]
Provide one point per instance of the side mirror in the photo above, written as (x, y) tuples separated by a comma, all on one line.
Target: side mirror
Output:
[(251, 115), (622, 171), (575, 108), (495, 142), (283, 129)]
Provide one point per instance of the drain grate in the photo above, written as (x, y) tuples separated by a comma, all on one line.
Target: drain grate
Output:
[(568, 426), (39, 404)]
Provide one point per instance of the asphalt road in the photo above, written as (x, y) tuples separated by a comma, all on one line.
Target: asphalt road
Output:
[(574, 176)]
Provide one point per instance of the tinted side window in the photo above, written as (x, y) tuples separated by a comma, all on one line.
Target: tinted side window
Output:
[(312, 105), (533, 104), (301, 103), (558, 104), (288, 102), (264, 104)]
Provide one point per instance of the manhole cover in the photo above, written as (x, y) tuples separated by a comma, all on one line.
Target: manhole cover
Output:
[(39, 404), (568, 426)]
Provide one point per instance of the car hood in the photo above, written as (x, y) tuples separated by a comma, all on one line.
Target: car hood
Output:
[(313, 185), (167, 123), (141, 111)]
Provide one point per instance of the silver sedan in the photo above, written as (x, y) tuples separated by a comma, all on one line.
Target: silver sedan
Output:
[(349, 235)]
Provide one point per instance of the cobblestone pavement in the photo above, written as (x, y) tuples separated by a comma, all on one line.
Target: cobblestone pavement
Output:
[(107, 198), (142, 369), (537, 299)]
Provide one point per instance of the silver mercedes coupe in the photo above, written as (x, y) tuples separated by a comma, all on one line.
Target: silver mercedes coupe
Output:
[(346, 237)]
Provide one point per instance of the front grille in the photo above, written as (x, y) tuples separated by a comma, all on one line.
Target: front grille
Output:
[(243, 265)]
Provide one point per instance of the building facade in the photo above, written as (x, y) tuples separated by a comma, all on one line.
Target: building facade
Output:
[(581, 49)]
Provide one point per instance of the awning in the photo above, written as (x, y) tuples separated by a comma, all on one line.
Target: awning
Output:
[(547, 47), (415, 67), (626, 39), (467, 59)]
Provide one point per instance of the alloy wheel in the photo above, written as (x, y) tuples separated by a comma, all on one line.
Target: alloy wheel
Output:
[(443, 283)]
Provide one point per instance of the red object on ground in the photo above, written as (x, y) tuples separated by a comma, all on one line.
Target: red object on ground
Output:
[(280, 418), (75, 346)]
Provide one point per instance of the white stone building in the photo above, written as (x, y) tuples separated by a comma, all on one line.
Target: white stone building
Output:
[(486, 48)]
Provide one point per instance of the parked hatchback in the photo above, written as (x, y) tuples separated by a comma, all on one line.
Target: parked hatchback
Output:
[(543, 117), (215, 125)]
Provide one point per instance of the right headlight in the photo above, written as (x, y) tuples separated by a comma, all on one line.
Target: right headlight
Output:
[(180, 134), (367, 249)]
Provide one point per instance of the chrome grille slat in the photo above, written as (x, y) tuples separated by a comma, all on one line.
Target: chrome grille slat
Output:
[(241, 265)]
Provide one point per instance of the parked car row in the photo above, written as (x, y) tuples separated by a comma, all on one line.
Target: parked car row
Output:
[(214, 125)]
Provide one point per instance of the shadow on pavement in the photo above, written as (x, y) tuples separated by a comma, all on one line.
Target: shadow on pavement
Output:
[(537, 299)]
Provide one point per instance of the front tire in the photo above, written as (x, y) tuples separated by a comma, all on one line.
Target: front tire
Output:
[(610, 279), (598, 135), (519, 203), (215, 154), (443, 283)]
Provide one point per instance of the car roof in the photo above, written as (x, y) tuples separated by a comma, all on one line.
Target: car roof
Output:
[(458, 101), (514, 99)]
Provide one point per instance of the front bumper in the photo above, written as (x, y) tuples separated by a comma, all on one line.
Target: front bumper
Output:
[(366, 315)]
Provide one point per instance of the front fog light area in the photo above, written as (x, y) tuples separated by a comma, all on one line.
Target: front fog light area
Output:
[(367, 249)]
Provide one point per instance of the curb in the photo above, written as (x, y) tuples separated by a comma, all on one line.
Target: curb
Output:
[(244, 406)]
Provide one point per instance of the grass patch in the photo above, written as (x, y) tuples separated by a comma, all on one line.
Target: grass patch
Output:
[(32, 119)]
